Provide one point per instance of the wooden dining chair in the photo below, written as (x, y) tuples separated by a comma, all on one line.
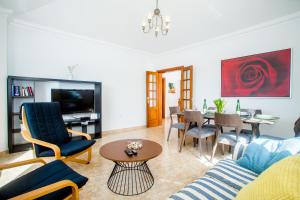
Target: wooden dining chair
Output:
[(178, 125), (229, 138), (207, 123), (198, 131), (211, 109), (249, 112), (297, 128)]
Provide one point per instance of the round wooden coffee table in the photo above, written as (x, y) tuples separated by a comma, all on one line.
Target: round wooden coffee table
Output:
[(130, 175)]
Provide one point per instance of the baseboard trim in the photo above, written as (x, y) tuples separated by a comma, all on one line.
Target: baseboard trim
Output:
[(123, 130)]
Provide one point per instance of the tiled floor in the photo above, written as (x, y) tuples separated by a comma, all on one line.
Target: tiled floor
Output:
[(171, 170)]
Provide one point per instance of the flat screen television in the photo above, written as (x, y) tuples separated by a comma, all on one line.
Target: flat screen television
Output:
[(74, 101)]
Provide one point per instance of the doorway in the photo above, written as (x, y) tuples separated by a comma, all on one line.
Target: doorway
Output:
[(171, 91), (157, 89)]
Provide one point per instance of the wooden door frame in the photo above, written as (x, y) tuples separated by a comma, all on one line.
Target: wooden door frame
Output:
[(165, 70), (163, 98), (170, 69), (160, 90)]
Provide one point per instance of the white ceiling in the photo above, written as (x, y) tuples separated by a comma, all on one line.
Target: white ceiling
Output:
[(119, 21)]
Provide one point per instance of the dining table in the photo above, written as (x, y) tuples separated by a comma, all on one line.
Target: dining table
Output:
[(254, 122)]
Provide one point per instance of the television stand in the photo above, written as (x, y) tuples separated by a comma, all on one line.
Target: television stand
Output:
[(83, 122), (29, 89)]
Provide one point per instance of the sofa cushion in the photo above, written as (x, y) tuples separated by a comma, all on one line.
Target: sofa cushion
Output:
[(70, 148), (263, 152), (281, 181), (239, 150), (271, 137), (230, 173), (50, 173), (205, 188)]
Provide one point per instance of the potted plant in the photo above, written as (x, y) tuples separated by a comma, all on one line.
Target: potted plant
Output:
[(220, 104)]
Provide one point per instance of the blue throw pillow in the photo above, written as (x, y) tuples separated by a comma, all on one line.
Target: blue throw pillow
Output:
[(264, 152)]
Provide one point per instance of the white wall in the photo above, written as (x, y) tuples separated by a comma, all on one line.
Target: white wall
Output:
[(171, 99), (40, 52), (206, 58), (3, 74)]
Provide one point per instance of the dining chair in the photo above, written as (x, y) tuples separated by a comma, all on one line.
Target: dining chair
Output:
[(229, 138), (250, 112), (174, 110), (297, 128), (44, 127), (198, 131), (247, 113), (211, 108), (54, 180), (207, 123)]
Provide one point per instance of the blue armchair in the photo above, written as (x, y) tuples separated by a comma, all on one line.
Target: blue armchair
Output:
[(44, 127), (54, 180)]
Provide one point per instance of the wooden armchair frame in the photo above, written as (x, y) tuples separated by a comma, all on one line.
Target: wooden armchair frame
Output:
[(57, 152), (46, 189)]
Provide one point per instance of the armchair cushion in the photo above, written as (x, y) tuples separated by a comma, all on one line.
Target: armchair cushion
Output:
[(45, 123), (48, 174), (69, 148)]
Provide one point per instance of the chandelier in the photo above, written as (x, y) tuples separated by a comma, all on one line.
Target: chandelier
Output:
[(157, 22)]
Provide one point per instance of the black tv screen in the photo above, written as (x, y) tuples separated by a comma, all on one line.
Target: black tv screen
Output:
[(73, 101)]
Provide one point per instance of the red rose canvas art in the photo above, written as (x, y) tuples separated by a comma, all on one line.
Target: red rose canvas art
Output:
[(260, 75)]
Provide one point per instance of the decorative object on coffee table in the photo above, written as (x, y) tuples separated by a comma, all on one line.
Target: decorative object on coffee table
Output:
[(131, 174), (134, 145)]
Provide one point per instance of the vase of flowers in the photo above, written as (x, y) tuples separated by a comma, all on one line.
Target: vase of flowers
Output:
[(220, 104)]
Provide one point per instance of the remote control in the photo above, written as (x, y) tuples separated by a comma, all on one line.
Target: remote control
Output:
[(129, 152), (134, 152)]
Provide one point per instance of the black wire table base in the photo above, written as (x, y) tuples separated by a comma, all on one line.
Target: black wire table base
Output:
[(130, 178)]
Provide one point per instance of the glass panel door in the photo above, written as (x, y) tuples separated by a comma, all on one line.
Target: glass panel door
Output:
[(152, 93), (186, 93)]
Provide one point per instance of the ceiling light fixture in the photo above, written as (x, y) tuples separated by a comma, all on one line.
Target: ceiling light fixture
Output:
[(157, 22)]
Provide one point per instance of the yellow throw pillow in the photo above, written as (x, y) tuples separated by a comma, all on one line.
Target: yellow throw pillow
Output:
[(279, 182)]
